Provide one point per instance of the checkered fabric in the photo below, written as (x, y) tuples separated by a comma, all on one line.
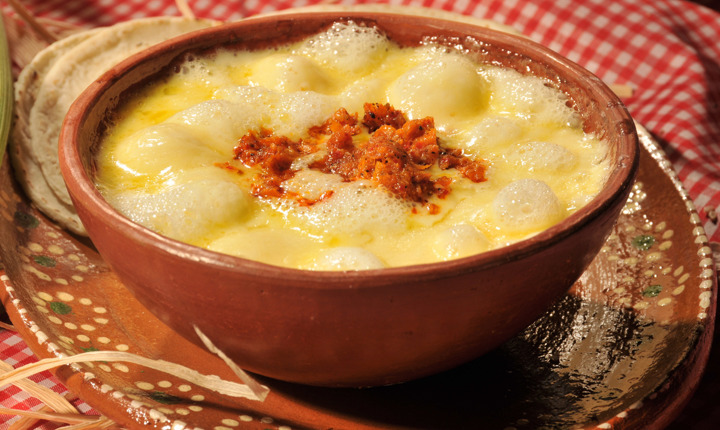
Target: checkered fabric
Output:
[(15, 352), (667, 51)]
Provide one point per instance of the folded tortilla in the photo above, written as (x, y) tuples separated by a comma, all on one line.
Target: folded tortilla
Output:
[(50, 84)]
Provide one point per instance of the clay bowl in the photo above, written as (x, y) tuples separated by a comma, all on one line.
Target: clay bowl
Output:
[(362, 328)]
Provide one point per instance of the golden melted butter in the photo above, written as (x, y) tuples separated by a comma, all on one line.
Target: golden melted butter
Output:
[(159, 163)]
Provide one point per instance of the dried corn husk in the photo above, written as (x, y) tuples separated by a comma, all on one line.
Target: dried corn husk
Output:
[(6, 326), (57, 408), (6, 90), (210, 382), (50, 398)]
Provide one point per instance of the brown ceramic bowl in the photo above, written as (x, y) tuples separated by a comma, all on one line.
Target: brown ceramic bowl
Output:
[(362, 328)]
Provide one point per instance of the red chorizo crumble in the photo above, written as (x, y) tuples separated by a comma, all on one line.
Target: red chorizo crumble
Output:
[(396, 155)]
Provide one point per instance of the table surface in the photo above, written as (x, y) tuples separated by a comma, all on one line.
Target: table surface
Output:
[(666, 51)]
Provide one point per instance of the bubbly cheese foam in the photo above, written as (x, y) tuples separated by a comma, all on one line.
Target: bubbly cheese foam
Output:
[(168, 162)]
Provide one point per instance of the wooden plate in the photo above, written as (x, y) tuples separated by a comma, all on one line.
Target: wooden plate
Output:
[(624, 349)]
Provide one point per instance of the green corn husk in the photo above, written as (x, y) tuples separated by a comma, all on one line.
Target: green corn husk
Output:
[(6, 90)]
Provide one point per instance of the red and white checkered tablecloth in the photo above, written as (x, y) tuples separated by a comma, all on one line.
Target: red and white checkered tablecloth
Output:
[(16, 353), (667, 51)]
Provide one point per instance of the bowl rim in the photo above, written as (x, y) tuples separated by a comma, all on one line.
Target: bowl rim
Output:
[(620, 178)]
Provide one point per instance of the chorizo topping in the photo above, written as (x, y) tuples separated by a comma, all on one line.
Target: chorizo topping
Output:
[(385, 148)]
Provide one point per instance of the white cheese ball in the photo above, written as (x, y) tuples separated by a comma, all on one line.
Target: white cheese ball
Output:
[(525, 205), (312, 184), (218, 123), (290, 114), (448, 89), (353, 208), (161, 151), (300, 111), (459, 241), (345, 258), (199, 71), (347, 48), (543, 156), (492, 133), (366, 90), (188, 211), (287, 73), (529, 98)]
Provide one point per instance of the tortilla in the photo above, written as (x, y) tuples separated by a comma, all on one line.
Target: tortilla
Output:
[(49, 85), (26, 170)]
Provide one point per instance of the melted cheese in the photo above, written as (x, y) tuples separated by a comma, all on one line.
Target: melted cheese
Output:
[(460, 93), (287, 73), (167, 163)]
